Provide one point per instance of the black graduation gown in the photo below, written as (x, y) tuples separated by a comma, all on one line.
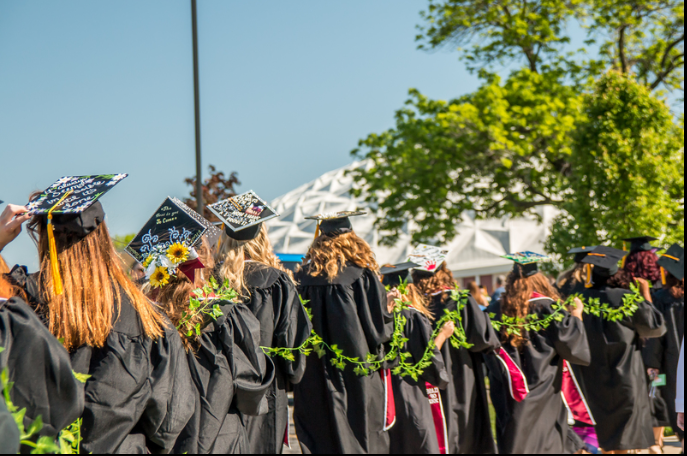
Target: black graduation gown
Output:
[(9, 432), (619, 397), (284, 323), (39, 366), (232, 377), (539, 424), (140, 394), (663, 353), (414, 431), (338, 411), (465, 399)]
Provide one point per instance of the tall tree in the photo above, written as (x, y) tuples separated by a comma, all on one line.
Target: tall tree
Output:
[(216, 188), (627, 169)]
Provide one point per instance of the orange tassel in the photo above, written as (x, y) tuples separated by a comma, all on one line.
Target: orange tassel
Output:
[(589, 282), (54, 263), (664, 280), (317, 230), (625, 257)]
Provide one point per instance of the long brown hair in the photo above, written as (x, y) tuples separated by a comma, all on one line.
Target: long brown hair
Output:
[(4, 269), (174, 298), (232, 256), (674, 286), (7, 291), (572, 277), (516, 300), (328, 256), (93, 283), (418, 301), (429, 284)]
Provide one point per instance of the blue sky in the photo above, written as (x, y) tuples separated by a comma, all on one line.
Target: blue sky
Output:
[(287, 90)]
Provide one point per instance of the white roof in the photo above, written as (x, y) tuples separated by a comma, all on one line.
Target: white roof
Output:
[(475, 251)]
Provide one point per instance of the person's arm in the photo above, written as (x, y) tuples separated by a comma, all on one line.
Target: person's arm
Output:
[(11, 220), (446, 332)]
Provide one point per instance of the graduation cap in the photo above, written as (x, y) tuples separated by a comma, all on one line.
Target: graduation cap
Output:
[(70, 207), (243, 215), (603, 261), (673, 261), (641, 244), (527, 263), (335, 223), (581, 252), (428, 257), (167, 242), (395, 275)]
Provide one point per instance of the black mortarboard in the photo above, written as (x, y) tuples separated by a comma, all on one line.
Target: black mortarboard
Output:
[(395, 275), (336, 223), (581, 252), (641, 243), (243, 215), (527, 263), (605, 260), (673, 261)]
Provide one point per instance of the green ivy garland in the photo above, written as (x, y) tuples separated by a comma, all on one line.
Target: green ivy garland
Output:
[(204, 301)]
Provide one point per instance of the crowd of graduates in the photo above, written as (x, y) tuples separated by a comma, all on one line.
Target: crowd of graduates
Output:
[(198, 354)]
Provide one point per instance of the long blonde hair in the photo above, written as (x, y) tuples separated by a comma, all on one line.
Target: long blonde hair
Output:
[(328, 256), (232, 255), (93, 283), (418, 301)]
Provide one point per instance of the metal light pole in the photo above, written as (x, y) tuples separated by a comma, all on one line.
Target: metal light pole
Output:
[(196, 89)]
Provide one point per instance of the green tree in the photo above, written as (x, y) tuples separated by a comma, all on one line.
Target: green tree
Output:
[(627, 169)]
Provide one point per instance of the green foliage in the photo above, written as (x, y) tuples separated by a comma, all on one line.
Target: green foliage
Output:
[(627, 170), (630, 305), (120, 242), (503, 150), (205, 302)]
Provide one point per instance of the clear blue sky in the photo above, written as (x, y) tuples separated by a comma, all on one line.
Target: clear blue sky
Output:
[(287, 87)]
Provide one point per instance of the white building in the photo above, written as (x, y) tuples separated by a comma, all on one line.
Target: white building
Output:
[(475, 253)]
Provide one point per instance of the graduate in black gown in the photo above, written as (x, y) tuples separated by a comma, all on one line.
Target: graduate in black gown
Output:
[(663, 353), (465, 399), (39, 368), (139, 395), (417, 429), (572, 280), (539, 423), (338, 411), (619, 399), (231, 373), (247, 261)]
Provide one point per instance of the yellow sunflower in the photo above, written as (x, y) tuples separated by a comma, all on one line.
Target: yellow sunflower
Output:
[(160, 277), (177, 253)]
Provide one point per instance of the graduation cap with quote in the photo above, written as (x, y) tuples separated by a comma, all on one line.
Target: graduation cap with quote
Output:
[(429, 258), (73, 194), (243, 215), (168, 240)]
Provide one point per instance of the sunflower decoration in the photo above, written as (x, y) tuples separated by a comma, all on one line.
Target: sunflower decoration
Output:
[(160, 277), (148, 261), (178, 253)]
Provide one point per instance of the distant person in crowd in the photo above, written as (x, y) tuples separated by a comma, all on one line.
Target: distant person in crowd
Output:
[(465, 400), (485, 293), (537, 423), (476, 293), (500, 290), (616, 379)]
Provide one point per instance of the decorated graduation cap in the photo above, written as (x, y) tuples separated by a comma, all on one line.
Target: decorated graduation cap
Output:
[(70, 207), (641, 243), (673, 261), (395, 275), (527, 263), (603, 261), (335, 223), (581, 253), (243, 215), (428, 257), (167, 242)]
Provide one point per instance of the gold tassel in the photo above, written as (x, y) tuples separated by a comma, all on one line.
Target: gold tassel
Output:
[(664, 281), (219, 242), (589, 282), (625, 257), (317, 230), (54, 263)]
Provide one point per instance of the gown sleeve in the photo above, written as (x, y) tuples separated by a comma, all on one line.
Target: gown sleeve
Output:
[(680, 400), (568, 337), (9, 432), (292, 327), (648, 321), (40, 368), (418, 331), (376, 321), (478, 329), (253, 372), (653, 352)]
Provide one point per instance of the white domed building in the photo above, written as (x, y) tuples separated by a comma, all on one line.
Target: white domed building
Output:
[(475, 254)]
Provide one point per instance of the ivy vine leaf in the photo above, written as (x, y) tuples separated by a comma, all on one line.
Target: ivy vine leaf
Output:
[(46, 445), (2, 349), (82, 378)]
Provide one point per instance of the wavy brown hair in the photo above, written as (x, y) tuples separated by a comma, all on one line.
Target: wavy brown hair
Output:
[(328, 256), (94, 282), (429, 284), (675, 287), (418, 301), (174, 298), (643, 265), (516, 301), (232, 255)]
